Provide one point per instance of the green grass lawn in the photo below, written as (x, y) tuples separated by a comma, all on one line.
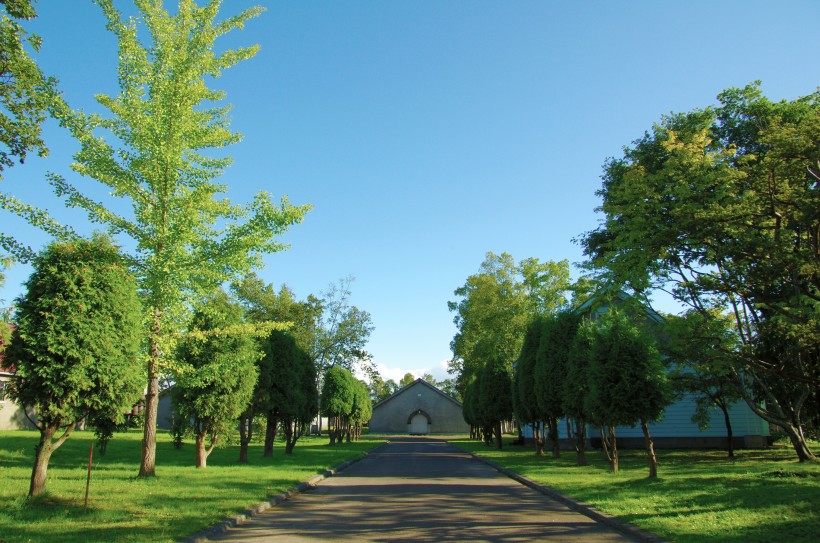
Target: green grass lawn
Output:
[(762, 496), (180, 501)]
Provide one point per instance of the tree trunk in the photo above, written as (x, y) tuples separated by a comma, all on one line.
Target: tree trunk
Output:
[(498, 434), (610, 446), (556, 445), (45, 447), (580, 442), (270, 435), (245, 436), (799, 443), (730, 440), (538, 439), (201, 455), (149, 434), (650, 451)]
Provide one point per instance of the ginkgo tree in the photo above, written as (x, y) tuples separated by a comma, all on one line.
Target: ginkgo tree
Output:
[(157, 152)]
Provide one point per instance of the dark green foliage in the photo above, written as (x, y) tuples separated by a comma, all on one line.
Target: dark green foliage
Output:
[(557, 335), (495, 396), (526, 406), (218, 373), (76, 347), (627, 381), (338, 397)]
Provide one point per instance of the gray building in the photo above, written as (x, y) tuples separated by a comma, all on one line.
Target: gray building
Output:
[(418, 409)]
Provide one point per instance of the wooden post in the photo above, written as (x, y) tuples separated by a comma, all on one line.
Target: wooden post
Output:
[(88, 481)]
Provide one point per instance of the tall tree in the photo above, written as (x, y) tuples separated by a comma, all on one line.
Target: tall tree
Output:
[(525, 402), (496, 304), (156, 150), (550, 371), (721, 207), (216, 376), (76, 347), (495, 395)]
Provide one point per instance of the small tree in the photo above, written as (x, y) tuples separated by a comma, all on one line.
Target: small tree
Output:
[(627, 381), (217, 373), (576, 388), (362, 409), (77, 343), (496, 396), (337, 401)]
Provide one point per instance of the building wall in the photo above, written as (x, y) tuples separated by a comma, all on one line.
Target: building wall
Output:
[(391, 415), (11, 416), (676, 429)]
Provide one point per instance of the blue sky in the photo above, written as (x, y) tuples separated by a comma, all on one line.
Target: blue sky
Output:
[(427, 133)]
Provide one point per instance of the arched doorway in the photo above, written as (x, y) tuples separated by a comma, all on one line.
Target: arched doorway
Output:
[(418, 423)]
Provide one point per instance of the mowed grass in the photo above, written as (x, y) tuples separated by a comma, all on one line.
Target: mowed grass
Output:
[(762, 496), (179, 501)]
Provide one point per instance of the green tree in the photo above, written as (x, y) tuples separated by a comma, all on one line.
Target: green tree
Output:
[(361, 411), (24, 90), (408, 379), (495, 396), (496, 304), (576, 388), (76, 347), (627, 382), (381, 389), (550, 370), (524, 397), (216, 374), (721, 207), (297, 418), (156, 152), (702, 369), (338, 395)]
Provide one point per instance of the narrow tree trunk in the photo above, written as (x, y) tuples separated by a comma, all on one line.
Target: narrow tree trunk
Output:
[(730, 440), (799, 443), (610, 446), (521, 439), (149, 434), (538, 439), (580, 442), (201, 455), (556, 446), (270, 435), (650, 451), (498, 435), (613, 450), (245, 436)]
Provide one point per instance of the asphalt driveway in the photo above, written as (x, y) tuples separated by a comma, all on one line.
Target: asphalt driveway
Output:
[(420, 490)]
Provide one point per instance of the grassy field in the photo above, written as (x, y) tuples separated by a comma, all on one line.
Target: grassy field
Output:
[(180, 501), (699, 496)]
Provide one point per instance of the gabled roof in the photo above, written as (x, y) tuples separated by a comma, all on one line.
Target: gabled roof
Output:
[(405, 388)]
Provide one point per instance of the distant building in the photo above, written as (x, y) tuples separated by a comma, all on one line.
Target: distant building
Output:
[(11, 416), (418, 409)]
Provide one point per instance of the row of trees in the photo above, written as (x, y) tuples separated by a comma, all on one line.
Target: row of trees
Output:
[(76, 349), (719, 207), (603, 369)]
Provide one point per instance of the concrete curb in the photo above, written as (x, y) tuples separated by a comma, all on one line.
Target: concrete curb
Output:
[(237, 520), (639, 534)]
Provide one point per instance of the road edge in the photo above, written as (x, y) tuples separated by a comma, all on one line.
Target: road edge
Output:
[(626, 528)]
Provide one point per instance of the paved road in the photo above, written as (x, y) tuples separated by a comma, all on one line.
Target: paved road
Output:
[(420, 490)]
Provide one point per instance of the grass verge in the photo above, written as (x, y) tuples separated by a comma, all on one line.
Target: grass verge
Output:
[(180, 501), (699, 497)]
